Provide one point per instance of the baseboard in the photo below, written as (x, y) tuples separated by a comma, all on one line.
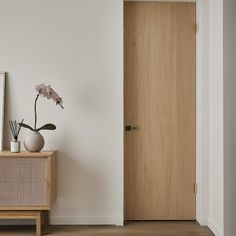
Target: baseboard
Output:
[(202, 222), (86, 220), (72, 220), (214, 228)]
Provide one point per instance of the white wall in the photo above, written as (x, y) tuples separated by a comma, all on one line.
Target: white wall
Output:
[(76, 46), (210, 115), (215, 221), (229, 117), (202, 130)]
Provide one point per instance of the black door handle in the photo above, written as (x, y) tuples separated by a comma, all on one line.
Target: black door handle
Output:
[(130, 128)]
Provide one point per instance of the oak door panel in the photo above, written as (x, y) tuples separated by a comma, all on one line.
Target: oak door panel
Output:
[(159, 94)]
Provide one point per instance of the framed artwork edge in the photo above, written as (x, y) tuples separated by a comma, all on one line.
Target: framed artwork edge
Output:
[(2, 105)]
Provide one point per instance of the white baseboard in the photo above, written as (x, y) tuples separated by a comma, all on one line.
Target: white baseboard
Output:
[(202, 222), (214, 228), (86, 220), (72, 220)]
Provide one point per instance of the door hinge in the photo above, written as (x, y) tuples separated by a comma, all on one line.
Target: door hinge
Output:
[(196, 27), (195, 188)]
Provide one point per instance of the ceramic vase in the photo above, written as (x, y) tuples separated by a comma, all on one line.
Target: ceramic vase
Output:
[(34, 142)]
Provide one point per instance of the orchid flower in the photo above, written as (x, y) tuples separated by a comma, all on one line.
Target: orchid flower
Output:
[(44, 91)]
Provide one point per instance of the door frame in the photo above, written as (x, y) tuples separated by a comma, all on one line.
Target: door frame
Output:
[(202, 195)]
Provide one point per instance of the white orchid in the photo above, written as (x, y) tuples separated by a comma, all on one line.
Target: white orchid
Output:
[(44, 91)]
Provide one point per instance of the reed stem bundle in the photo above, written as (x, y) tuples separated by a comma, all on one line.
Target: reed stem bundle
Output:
[(15, 128)]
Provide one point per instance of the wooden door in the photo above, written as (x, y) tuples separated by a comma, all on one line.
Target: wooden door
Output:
[(159, 110)]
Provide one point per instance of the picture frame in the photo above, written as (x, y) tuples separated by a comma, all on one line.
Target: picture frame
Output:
[(2, 104)]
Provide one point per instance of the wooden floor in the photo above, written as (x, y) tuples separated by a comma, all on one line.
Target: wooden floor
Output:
[(130, 229)]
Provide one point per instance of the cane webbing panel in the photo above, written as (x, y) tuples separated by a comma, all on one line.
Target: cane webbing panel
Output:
[(23, 181)]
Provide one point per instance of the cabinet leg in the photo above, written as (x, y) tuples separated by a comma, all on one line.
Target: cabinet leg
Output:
[(38, 225), (45, 218)]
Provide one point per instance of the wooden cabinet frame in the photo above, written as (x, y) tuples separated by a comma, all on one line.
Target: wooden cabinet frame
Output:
[(39, 213)]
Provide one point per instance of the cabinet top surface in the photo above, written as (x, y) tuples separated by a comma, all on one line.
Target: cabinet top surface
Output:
[(27, 154)]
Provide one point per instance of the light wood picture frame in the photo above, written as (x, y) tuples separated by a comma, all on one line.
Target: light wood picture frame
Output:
[(2, 101)]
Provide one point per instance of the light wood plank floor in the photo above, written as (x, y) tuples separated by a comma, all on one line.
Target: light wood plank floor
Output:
[(130, 229)]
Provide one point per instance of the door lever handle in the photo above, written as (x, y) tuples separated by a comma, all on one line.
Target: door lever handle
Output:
[(130, 127)]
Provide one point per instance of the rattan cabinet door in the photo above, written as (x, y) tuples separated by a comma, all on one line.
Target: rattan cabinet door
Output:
[(23, 182)]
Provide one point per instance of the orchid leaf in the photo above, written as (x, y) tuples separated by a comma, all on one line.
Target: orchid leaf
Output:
[(48, 126), (25, 126)]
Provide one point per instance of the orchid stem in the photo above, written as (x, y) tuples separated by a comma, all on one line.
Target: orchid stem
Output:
[(35, 111)]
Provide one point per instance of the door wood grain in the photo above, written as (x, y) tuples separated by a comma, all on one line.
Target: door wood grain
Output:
[(159, 95)]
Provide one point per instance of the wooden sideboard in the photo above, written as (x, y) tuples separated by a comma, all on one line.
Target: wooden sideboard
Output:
[(27, 186)]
